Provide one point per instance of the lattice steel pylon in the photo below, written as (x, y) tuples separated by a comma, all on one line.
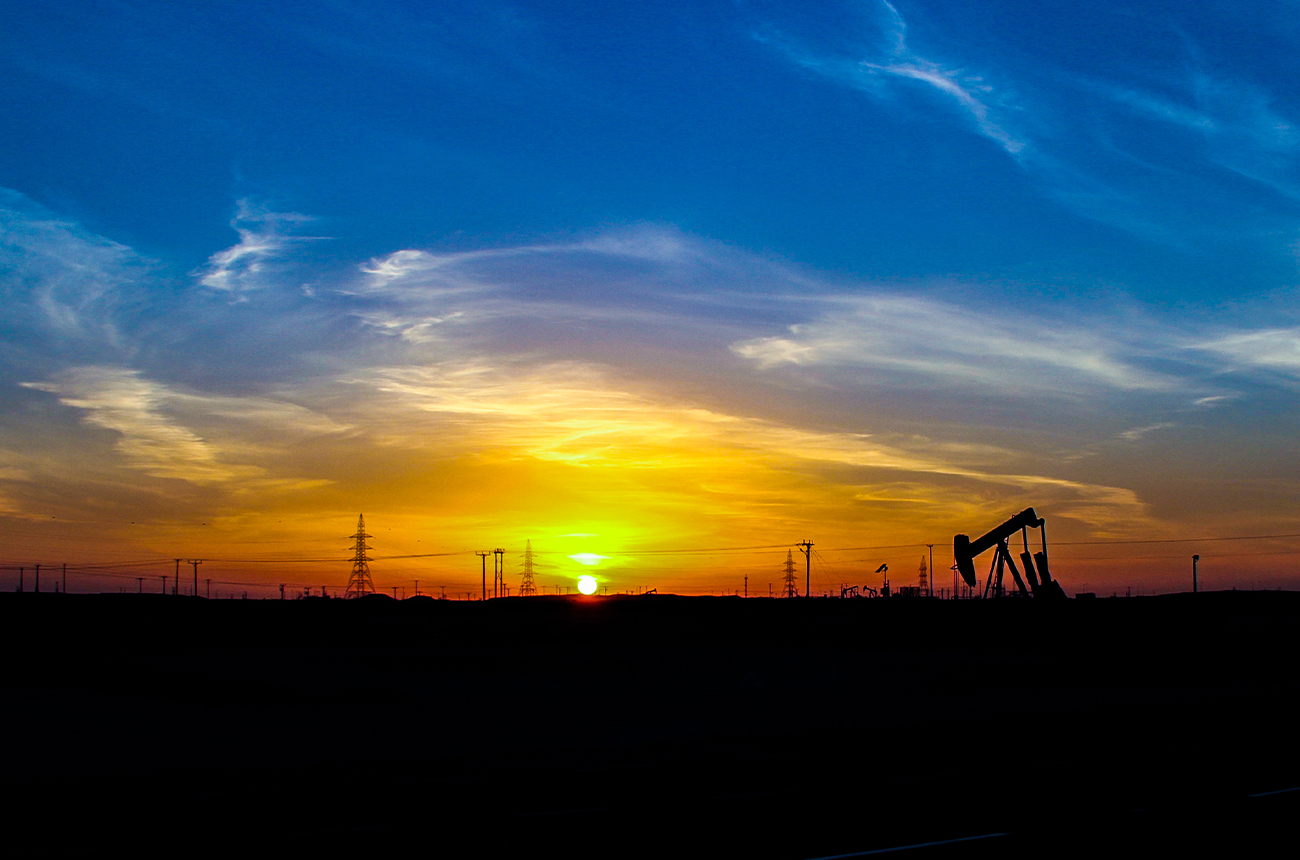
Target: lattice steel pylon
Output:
[(925, 577), (789, 589), (359, 583), (526, 586)]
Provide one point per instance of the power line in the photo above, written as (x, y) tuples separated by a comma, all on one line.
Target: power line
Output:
[(1171, 540)]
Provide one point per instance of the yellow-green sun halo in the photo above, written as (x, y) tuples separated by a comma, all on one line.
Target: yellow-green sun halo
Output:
[(588, 558)]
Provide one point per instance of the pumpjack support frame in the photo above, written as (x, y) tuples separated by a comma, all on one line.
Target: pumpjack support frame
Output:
[(1037, 571)]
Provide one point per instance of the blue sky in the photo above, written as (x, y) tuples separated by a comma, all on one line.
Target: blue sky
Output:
[(924, 263)]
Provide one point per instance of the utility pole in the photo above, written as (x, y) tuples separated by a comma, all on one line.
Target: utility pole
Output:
[(65, 577), (1195, 559), (207, 589), (195, 562), (747, 585), (498, 572), (38, 579), (164, 579), (22, 571), (806, 548), (932, 571), (483, 554), (140, 582), (176, 583), (282, 591)]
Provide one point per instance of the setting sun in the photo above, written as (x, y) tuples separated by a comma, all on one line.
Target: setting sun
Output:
[(587, 584)]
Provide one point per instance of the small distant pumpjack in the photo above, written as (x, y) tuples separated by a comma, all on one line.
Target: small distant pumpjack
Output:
[(1041, 585)]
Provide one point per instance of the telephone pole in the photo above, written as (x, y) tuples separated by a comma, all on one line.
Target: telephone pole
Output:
[(195, 562), (806, 548), (176, 583), (931, 546), (498, 572), (483, 554)]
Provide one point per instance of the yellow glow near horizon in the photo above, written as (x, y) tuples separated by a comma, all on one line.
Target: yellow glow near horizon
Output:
[(587, 584)]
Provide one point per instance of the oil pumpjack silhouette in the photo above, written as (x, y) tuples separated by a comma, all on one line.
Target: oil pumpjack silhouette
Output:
[(1041, 585)]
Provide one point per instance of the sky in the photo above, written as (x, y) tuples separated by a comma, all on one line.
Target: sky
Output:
[(669, 287)]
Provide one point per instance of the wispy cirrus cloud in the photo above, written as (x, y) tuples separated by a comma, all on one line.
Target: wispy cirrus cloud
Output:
[(933, 340), (1091, 142), (1273, 349), (120, 400), (1240, 125), (264, 236), (155, 422), (886, 60), (61, 281)]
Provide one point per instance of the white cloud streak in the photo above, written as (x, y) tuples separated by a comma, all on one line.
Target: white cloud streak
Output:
[(1276, 349), (62, 281), (969, 94), (927, 338), (1074, 144), (154, 422), (264, 236)]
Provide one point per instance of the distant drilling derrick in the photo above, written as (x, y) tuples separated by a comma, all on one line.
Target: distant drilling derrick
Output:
[(526, 586), (925, 577), (788, 589), (359, 583)]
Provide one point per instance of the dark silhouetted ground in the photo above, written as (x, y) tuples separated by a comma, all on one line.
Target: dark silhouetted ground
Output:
[(654, 726)]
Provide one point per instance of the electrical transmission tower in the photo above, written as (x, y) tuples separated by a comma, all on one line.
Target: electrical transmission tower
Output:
[(359, 583), (526, 586), (789, 589), (925, 577)]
